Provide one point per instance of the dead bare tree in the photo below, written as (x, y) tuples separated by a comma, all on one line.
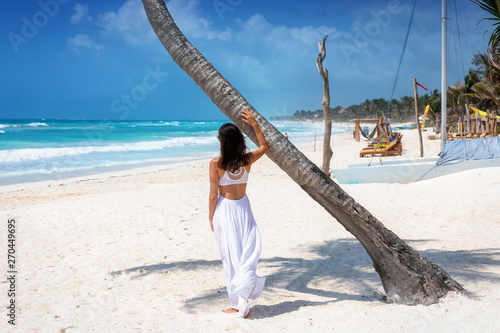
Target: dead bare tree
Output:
[(407, 277), (327, 149)]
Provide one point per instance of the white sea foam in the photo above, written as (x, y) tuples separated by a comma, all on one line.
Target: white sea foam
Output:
[(52, 171), (31, 154), (82, 170), (162, 123), (34, 124), (2, 132)]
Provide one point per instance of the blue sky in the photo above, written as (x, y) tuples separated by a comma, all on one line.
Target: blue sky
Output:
[(88, 59)]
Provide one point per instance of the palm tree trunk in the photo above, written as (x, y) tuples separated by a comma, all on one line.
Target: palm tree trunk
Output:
[(407, 277), (327, 149)]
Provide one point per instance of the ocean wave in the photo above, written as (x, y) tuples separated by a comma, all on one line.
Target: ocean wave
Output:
[(56, 170), (161, 123), (31, 154), (100, 167), (61, 170), (33, 124), (2, 132)]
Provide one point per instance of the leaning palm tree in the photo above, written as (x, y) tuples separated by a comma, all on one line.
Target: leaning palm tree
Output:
[(493, 8), (407, 277)]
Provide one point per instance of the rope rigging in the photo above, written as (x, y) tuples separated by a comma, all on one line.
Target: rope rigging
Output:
[(459, 18), (398, 71)]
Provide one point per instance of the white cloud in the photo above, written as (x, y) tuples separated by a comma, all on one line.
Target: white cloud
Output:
[(82, 41), (186, 16), (81, 12), (257, 24), (312, 35), (130, 22), (257, 73), (257, 27)]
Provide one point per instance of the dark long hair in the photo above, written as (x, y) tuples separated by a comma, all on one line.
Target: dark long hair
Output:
[(233, 150)]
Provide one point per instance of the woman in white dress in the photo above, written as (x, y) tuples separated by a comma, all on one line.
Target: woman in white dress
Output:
[(230, 214)]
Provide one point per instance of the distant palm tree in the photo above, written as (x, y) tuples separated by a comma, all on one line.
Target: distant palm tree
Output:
[(462, 93), (492, 7), (487, 90), (488, 63)]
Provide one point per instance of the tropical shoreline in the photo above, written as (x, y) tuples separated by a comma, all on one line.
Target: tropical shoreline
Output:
[(345, 152), (37, 150), (135, 252)]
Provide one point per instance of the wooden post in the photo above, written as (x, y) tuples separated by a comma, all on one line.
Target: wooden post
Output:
[(380, 128), (356, 129), (437, 125), (487, 123), (494, 124), (478, 125), (385, 135), (493, 121), (416, 116), (467, 120), (460, 127), (472, 125), (476, 121)]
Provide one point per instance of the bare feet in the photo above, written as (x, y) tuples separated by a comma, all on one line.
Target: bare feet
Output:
[(233, 310)]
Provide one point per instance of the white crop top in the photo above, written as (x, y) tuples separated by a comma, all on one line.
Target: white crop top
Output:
[(230, 178)]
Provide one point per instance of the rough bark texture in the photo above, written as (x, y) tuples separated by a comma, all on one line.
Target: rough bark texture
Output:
[(406, 276), (327, 149)]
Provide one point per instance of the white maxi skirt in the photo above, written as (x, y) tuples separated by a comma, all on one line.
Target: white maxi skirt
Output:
[(239, 243)]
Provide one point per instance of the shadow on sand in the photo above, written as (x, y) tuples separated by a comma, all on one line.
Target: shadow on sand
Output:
[(340, 270)]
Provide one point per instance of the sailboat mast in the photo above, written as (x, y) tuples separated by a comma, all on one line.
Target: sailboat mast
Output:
[(444, 87)]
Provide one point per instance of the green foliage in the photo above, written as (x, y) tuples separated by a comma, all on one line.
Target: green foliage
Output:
[(483, 84), (493, 8), (485, 91), (481, 88), (401, 110)]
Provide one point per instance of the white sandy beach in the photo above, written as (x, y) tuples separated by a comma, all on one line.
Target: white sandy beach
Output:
[(135, 253)]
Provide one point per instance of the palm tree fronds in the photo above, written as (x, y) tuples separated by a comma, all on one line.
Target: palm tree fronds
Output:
[(493, 8)]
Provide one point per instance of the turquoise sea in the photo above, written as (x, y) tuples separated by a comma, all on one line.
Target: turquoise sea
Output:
[(35, 150)]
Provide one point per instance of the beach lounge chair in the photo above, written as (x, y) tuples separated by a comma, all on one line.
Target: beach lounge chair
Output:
[(395, 147)]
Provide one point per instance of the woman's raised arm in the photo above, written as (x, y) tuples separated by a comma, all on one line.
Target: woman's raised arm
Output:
[(249, 118)]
